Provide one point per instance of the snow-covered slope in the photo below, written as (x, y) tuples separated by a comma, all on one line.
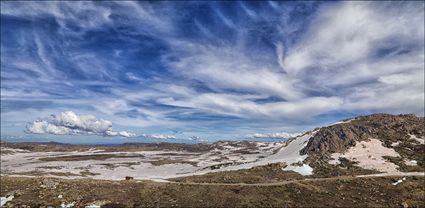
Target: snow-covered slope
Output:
[(369, 155), (288, 154)]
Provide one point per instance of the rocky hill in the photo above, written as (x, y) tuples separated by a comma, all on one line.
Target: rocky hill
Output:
[(385, 127), (380, 142)]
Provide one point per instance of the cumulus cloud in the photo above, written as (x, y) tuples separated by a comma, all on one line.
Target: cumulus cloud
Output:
[(278, 135), (69, 123)]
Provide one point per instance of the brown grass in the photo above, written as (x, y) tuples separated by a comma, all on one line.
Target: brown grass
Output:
[(262, 174), (352, 192)]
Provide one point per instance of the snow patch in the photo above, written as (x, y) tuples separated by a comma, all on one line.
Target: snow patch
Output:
[(92, 206), (411, 162), (69, 205), (4, 200), (421, 140), (303, 170), (399, 181), (159, 180), (369, 155), (342, 122), (395, 144)]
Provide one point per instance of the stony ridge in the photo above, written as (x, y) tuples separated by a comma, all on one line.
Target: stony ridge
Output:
[(388, 128)]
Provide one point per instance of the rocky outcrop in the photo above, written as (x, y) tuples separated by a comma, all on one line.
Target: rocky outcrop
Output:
[(385, 127)]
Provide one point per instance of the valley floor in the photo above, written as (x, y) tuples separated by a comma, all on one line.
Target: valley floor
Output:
[(104, 163)]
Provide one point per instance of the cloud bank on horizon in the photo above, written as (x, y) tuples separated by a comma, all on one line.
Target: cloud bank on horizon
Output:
[(69, 123), (206, 69)]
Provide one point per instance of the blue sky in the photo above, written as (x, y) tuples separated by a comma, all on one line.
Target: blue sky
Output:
[(203, 71)]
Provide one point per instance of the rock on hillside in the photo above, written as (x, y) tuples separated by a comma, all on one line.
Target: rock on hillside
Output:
[(343, 135)]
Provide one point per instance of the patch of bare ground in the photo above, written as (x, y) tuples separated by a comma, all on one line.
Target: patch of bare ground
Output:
[(170, 161), (122, 164), (45, 173), (86, 173), (83, 173), (349, 192), (262, 174), (6, 152), (221, 165), (322, 169), (51, 167)]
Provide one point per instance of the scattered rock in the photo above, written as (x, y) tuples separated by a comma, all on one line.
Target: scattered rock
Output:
[(92, 206), (49, 183), (69, 205), (405, 205)]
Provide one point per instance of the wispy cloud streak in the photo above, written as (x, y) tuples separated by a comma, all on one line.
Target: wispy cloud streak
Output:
[(194, 66)]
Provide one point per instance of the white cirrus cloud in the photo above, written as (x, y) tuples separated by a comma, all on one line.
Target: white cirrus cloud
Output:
[(70, 123)]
